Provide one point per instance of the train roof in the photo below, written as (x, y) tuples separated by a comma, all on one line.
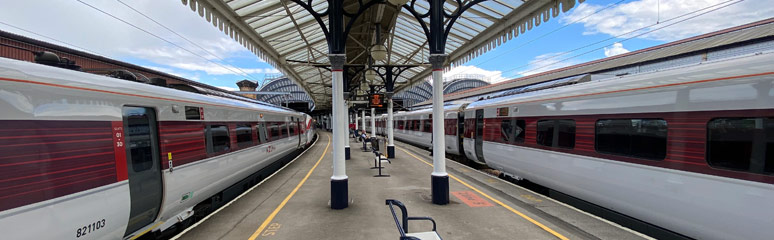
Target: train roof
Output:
[(618, 83), (723, 43), (96, 64), (54, 76)]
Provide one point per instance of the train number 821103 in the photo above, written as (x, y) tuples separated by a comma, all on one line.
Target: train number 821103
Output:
[(82, 231)]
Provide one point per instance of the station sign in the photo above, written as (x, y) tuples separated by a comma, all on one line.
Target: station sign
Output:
[(376, 100)]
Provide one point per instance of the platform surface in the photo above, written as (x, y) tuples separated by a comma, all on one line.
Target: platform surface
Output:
[(293, 204)]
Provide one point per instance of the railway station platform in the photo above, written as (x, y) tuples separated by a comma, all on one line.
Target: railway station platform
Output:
[(294, 204)]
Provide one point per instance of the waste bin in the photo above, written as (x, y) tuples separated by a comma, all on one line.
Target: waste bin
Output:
[(375, 143)]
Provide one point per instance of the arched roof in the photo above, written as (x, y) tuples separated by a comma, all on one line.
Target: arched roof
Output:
[(285, 85), (292, 35), (462, 85), (423, 91)]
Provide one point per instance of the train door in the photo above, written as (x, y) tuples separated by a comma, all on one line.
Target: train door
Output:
[(299, 131), (480, 135), (143, 165), (460, 132)]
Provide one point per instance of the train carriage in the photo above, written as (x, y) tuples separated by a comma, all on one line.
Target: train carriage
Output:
[(93, 157), (690, 149)]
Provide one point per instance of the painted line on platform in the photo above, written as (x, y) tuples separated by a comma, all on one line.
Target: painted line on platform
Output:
[(276, 210), (245, 193), (522, 215)]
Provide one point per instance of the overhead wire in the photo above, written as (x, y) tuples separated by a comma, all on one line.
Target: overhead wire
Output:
[(158, 37), (730, 2), (181, 36), (549, 33), (53, 39)]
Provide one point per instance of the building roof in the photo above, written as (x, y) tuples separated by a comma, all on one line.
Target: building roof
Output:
[(247, 83)]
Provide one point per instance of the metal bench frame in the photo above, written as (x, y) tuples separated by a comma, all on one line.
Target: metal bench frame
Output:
[(403, 228)]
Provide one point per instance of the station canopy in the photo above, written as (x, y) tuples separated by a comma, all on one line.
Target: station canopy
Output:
[(288, 35)]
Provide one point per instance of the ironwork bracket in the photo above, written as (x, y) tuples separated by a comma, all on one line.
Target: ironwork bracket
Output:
[(437, 33)]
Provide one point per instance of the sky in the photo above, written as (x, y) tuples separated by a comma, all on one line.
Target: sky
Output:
[(592, 30)]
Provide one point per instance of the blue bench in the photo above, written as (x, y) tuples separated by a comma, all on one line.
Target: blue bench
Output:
[(403, 227)]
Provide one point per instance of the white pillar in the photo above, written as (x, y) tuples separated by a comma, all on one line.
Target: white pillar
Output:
[(357, 122), (440, 179), (390, 143), (339, 169), (345, 129), (364, 122), (339, 189), (373, 122)]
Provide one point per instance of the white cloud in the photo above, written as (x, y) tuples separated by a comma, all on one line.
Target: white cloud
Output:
[(111, 38), (616, 49), (228, 88), (176, 58), (637, 14), (475, 72), (546, 62), (173, 72)]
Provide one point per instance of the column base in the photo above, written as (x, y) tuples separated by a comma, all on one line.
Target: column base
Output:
[(340, 194), (391, 152), (440, 189), (346, 153)]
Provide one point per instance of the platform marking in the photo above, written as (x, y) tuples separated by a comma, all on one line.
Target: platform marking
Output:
[(471, 199), (274, 213), (522, 215), (179, 235)]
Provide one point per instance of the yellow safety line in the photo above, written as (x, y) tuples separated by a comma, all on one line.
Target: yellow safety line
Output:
[(544, 227), (274, 213), (146, 230)]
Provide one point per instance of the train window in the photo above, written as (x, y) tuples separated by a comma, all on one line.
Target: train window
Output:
[(261, 129), (244, 135), (217, 138), (283, 130), (428, 126), (450, 126), (506, 130), (556, 133), (769, 147), (743, 144), (417, 125), (545, 132), (519, 131), (274, 130), (640, 138), (192, 113), (140, 132), (566, 133)]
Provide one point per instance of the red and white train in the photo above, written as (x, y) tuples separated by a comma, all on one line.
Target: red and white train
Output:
[(689, 149), (84, 156)]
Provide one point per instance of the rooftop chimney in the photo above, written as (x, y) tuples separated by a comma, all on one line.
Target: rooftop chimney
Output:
[(247, 86)]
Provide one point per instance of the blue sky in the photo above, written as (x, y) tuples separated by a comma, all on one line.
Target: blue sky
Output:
[(82, 27)]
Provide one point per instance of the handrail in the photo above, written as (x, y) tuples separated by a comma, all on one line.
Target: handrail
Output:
[(403, 227)]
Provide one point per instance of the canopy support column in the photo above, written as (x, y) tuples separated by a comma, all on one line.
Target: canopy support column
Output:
[(390, 143), (440, 179), (373, 122), (345, 115), (339, 185), (389, 84)]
